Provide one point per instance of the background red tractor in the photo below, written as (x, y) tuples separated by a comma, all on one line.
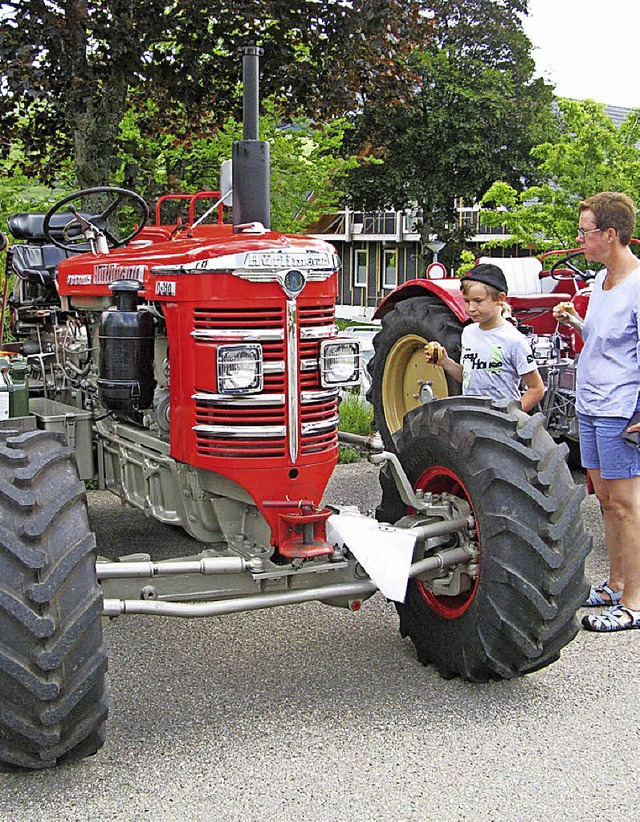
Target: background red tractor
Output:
[(433, 309)]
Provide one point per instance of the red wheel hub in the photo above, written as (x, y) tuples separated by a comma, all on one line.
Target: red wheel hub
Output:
[(440, 480)]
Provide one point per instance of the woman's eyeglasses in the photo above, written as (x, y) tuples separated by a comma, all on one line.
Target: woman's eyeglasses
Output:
[(582, 233)]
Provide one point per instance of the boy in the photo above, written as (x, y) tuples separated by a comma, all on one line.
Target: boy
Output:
[(495, 355)]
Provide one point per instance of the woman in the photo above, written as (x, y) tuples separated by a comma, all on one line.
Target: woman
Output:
[(608, 393)]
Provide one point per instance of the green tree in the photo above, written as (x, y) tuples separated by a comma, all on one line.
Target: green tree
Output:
[(475, 114), (307, 166), (590, 155), (18, 192), (70, 67)]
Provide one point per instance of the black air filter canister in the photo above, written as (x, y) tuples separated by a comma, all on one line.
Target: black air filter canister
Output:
[(126, 339)]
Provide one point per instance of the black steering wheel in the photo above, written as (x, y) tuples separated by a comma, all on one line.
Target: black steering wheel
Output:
[(565, 262), (118, 223)]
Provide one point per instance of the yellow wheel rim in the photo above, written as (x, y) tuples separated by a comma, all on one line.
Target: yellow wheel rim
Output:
[(409, 381)]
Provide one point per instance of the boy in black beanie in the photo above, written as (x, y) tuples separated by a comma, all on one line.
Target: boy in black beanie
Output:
[(495, 356)]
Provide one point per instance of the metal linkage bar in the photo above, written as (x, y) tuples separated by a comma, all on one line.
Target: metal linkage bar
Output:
[(118, 607), (405, 489), (146, 569), (377, 456), (441, 560), (444, 526), (373, 442)]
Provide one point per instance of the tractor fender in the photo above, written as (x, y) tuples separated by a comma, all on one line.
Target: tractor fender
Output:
[(447, 289)]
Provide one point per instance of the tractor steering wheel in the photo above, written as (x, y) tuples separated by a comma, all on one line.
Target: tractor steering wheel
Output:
[(578, 274), (118, 223)]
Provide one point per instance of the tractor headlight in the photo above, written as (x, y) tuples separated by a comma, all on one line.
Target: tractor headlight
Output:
[(340, 362), (240, 369)]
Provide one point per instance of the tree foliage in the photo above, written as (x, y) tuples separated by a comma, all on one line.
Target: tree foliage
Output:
[(72, 66), (591, 154), (305, 159), (476, 113)]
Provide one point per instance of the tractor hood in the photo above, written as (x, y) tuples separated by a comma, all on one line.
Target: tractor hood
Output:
[(92, 274)]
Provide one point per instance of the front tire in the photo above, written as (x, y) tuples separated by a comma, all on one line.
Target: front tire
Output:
[(53, 702), (401, 379), (520, 610)]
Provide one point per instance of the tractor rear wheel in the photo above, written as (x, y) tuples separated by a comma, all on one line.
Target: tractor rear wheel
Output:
[(519, 610), (401, 379), (53, 702)]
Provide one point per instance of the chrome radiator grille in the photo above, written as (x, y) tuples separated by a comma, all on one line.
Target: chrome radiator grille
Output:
[(257, 425)]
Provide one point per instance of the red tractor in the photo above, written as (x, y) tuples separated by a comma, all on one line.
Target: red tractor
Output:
[(193, 368), (427, 309)]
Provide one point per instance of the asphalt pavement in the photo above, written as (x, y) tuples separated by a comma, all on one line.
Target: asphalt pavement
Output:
[(315, 713)]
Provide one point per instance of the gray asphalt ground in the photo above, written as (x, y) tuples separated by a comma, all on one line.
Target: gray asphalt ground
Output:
[(316, 713)]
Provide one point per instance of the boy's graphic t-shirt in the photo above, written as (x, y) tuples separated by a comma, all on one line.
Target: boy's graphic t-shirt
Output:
[(493, 361)]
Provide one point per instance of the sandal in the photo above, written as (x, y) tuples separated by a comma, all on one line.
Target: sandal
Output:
[(618, 618), (596, 600)]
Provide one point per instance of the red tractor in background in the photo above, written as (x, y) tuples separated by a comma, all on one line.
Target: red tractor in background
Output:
[(433, 309), (207, 396)]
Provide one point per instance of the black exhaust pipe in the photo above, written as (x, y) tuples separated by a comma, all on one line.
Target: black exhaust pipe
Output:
[(251, 159)]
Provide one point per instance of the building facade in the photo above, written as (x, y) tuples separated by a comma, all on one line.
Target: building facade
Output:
[(381, 250)]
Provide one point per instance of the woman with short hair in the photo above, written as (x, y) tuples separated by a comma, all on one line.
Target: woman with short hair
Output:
[(608, 394)]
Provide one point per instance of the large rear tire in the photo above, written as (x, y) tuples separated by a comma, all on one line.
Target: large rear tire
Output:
[(520, 610), (53, 702), (401, 379)]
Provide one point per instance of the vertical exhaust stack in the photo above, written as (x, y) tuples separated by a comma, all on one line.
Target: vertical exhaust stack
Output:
[(251, 166)]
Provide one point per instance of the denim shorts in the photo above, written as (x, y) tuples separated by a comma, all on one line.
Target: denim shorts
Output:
[(601, 446)]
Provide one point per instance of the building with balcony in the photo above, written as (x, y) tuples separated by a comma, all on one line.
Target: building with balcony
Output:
[(381, 250)]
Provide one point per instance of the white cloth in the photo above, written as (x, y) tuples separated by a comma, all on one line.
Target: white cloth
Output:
[(383, 551)]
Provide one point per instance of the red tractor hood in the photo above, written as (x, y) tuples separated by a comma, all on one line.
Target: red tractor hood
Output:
[(92, 274)]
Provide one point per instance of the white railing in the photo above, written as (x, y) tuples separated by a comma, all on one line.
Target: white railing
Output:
[(396, 226)]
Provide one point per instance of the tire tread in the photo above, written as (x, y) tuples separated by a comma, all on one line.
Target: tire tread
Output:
[(533, 544), (53, 701)]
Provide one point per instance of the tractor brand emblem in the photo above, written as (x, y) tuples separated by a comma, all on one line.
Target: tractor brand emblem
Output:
[(165, 288), (79, 279), (294, 281), (307, 258), (106, 273)]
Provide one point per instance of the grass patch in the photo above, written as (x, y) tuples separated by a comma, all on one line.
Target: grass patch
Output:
[(356, 415), (346, 454)]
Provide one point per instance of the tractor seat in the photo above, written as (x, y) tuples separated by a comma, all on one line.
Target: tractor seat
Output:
[(37, 263), (36, 260), (25, 226), (526, 288)]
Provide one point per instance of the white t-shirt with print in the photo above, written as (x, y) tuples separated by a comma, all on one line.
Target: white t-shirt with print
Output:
[(493, 361)]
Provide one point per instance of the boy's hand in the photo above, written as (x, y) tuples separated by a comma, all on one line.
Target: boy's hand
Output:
[(434, 353)]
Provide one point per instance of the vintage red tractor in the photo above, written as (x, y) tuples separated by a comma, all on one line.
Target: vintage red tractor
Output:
[(193, 368), (427, 309)]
